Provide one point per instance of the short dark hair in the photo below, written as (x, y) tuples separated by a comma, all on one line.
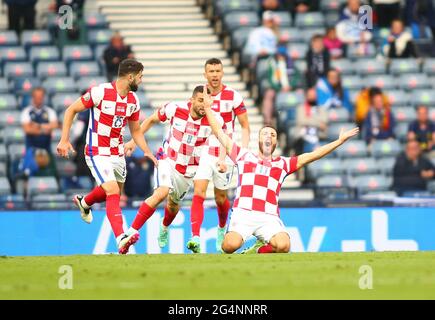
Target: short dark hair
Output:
[(38, 89), (128, 66), (213, 61), (316, 36), (374, 91), (199, 89), (268, 126), (419, 106)]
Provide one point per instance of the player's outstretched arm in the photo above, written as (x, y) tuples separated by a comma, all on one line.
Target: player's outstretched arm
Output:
[(144, 127), (308, 157), (139, 139), (64, 145)]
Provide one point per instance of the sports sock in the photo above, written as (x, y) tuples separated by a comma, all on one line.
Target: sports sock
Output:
[(97, 195), (169, 217), (197, 214), (267, 248), (223, 213), (114, 214), (143, 214)]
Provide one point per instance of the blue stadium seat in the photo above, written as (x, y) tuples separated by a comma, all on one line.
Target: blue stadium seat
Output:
[(44, 53), (65, 167), (95, 20), (370, 66), (310, 32), (8, 38), (432, 114), (334, 129), (369, 183), (297, 50), (14, 134), (51, 69), (385, 148), (360, 166), (309, 20), (283, 19), (4, 86), (84, 83), (33, 38), (25, 85), (360, 51), (286, 100), (353, 82), (223, 7), (16, 152), (50, 201), (98, 54), (404, 114), (143, 99), (59, 84), (429, 66), (401, 131), (60, 101), (3, 153), (408, 65), (331, 5), (352, 149), (84, 69), (414, 81), (423, 96), (17, 69), (3, 169), (383, 81), (77, 53), (239, 38), (326, 166), (398, 98), (386, 165), (42, 185), (345, 66), (99, 36), (8, 102), (12, 202), (12, 54), (9, 118), (338, 115), (5, 187), (234, 20), (332, 181), (156, 133), (288, 35)]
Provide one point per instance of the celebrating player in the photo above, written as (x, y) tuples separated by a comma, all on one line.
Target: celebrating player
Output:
[(213, 165), (255, 210), (112, 105), (179, 159)]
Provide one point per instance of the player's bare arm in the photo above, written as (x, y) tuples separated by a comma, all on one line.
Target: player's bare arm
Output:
[(64, 146), (144, 127), (246, 130), (308, 157), (138, 138)]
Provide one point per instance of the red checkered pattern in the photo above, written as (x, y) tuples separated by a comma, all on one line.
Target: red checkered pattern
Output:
[(186, 137), (109, 115), (260, 180), (228, 103)]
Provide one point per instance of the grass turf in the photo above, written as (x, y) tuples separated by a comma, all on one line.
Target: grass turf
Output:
[(396, 275)]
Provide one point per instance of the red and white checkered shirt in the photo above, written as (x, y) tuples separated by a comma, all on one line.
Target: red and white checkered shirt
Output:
[(229, 104), (260, 180), (109, 115), (186, 137)]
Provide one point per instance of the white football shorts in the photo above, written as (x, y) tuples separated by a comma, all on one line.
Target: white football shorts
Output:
[(107, 168)]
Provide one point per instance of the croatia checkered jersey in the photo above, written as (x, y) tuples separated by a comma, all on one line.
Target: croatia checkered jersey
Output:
[(186, 136), (229, 104), (260, 180), (109, 113)]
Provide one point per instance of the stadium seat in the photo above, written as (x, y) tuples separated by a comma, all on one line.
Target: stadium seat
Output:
[(12, 202), (326, 166), (385, 148), (369, 183), (95, 20), (234, 20), (383, 81), (261, 71), (408, 65), (59, 84), (25, 85), (51, 202), (401, 131), (334, 129), (5, 187), (224, 7), (361, 51), (283, 19), (309, 20), (334, 181), (44, 53), (352, 149), (432, 114), (65, 167), (17, 69), (345, 66), (353, 82), (3, 169), (404, 114), (8, 102), (16, 151), (3, 153), (8, 38), (4, 86), (310, 32), (77, 53), (398, 98), (239, 38), (9, 118), (297, 50), (287, 35), (99, 36), (429, 66), (98, 54), (143, 99), (84, 69), (423, 96), (414, 81), (84, 83), (338, 115), (285, 100), (386, 165), (431, 186), (12, 54), (331, 5), (51, 69), (60, 101), (42, 185), (370, 66), (360, 166), (14, 135), (33, 38)]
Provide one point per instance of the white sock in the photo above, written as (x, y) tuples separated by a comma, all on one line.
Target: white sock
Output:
[(131, 230), (84, 204), (118, 238)]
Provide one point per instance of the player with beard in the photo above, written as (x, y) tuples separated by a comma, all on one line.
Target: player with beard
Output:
[(111, 106), (255, 209)]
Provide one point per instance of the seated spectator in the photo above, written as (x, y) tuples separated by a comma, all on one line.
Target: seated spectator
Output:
[(333, 44), (412, 170), (423, 130), (139, 173), (311, 124), (38, 122), (21, 14), (331, 94), (379, 122), (37, 163), (114, 54), (283, 76), (399, 42), (386, 11), (419, 15), (363, 101), (262, 41), (348, 28), (317, 59), (271, 5), (302, 6)]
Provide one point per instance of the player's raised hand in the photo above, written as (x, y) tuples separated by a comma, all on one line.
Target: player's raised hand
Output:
[(345, 135), (63, 149), (150, 156), (129, 148), (208, 101)]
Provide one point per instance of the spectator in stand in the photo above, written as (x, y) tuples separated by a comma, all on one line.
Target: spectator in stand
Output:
[(21, 14), (302, 6), (311, 124), (271, 5), (386, 11), (262, 41), (399, 42), (139, 173), (348, 28), (283, 76), (423, 130), (379, 122), (363, 102), (114, 54), (419, 15), (331, 94), (318, 61), (412, 170), (333, 44)]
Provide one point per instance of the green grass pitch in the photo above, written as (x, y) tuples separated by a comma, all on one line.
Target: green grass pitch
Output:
[(395, 275)]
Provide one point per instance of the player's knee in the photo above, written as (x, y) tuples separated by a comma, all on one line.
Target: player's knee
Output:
[(220, 198), (200, 193), (230, 246), (173, 207), (282, 247), (111, 188), (160, 194)]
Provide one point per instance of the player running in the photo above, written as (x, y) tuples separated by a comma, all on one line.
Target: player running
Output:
[(213, 166), (255, 210), (178, 160), (111, 106)]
